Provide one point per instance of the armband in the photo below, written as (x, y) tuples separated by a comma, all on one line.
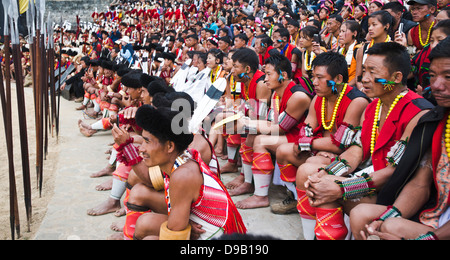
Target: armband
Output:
[(428, 236), (391, 212), (257, 109), (250, 129), (286, 121), (166, 234), (262, 110), (305, 138), (344, 136), (356, 188), (337, 167), (128, 154), (357, 137), (271, 115), (123, 93), (109, 89), (396, 153)]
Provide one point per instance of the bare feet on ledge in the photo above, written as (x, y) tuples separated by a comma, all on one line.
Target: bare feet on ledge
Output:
[(107, 171), (229, 167), (236, 182), (253, 202), (244, 188), (108, 206)]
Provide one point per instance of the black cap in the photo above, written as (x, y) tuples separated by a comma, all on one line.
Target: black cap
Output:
[(423, 2)]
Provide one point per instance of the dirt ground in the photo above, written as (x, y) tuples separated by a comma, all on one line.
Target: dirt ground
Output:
[(39, 204)]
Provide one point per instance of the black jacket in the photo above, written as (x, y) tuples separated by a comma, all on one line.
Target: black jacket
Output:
[(419, 143)]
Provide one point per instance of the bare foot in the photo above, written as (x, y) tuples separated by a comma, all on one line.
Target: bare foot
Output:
[(229, 167), (253, 202), (107, 171), (116, 236), (82, 124), (221, 155), (121, 212), (244, 188), (108, 206), (236, 182), (91, 114), (87, 132), (117, 226), (107, 185)]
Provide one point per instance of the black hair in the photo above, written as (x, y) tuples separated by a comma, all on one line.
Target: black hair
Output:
[(225, 30), (354, 26), (193, 36), (265, 39), (269, 18), (242, 36), (132, 79), (158, 122), (337, 17), (218, 54), (309, 31), (225, 39), (202, 57), (247, 57), (396, 7), (396, 57), (316, 23), (335, 63), (283, 32), (443, 25), (442, 50), (279, 62), (158, 85), (385, 18), (361, 8)]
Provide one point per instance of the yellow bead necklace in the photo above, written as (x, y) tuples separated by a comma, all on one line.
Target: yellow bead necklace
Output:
[(377, 117), (336, 107), (428, 35), (447, 135), (215, 75)]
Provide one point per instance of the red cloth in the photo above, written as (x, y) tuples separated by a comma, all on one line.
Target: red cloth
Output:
[(392, 130)]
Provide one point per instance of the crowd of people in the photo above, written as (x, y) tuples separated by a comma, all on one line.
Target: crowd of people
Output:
[(345, 104)]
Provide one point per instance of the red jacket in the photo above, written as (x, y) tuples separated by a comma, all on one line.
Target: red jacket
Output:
[(394, 127)]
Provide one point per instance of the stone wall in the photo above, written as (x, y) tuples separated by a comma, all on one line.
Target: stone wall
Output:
[(69, 9)]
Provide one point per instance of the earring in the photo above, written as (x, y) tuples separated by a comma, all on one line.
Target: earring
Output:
[(332, 84), (280, 78), (387, 85)]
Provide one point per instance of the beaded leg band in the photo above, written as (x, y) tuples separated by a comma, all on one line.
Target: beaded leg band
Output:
[(356, 188)]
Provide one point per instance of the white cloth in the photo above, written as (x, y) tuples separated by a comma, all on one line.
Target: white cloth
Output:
[(199, 85)]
